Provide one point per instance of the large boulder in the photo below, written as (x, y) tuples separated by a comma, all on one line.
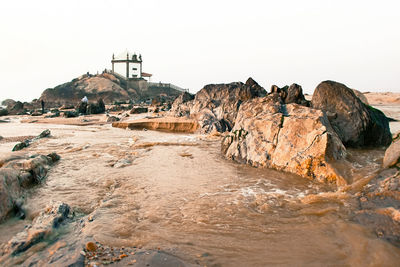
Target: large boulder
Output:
[(392, 153), (290, 137), (216, 105), (355, 123)]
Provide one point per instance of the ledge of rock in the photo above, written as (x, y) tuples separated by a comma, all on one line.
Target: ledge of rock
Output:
[(290, 137), (168, 124)]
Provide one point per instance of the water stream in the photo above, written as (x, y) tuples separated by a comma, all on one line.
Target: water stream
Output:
[(176, 192)]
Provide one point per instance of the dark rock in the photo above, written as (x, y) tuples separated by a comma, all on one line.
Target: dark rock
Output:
[(138, 110), (295, 95), (112, 119), (41, 227), (3, 112), (54, 156), (290, 94), (82, 108), (43, 134), (27, 142), (18, 173), (17, 109), (71, 114), (97, 108), (8, 103), (356, 123), (21, 145)]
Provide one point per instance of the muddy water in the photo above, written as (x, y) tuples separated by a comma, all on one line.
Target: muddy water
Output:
[(175, 192)]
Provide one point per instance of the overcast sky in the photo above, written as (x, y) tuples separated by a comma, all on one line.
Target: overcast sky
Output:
[(193, 43)]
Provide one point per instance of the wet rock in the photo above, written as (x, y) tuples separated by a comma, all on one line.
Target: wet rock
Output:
[(380, 206), (290, 137), (392, 153), (355, 123), (112, 119), (19, 173), (21, 145), (216, 105), (71, 114), (42, 226), (28, 142), (138, 110), (36, 113)]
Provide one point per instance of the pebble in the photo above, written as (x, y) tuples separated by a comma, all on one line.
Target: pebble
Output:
[(90, 246)]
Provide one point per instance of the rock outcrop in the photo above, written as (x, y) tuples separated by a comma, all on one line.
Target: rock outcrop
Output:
[(355, 123), (27, 142), (18, 173), (216, 105), (179, 107), (290, 138), (290, 94), (94, 87)]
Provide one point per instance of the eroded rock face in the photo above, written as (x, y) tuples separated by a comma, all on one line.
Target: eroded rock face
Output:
[(18, 173), (291, 138), (178, 108), (216, 105), (355, 123)]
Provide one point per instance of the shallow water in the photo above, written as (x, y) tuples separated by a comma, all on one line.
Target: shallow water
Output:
[(177, 193)]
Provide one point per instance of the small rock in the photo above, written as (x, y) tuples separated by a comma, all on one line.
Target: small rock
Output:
[(90, 246)]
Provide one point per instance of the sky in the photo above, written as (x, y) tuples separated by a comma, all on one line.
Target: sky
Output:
[(193, 43)]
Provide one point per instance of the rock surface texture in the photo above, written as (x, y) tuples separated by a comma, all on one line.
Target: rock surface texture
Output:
[(380, 205), (290, 137), (356, 123), (18, 173), (216, 105)]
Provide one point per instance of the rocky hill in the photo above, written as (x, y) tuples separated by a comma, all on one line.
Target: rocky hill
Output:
[(106, 86)]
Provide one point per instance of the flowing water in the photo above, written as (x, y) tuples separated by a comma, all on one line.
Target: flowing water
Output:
[(177, 193)]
